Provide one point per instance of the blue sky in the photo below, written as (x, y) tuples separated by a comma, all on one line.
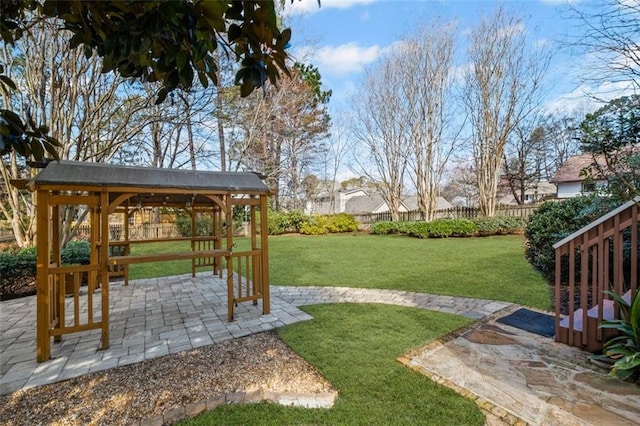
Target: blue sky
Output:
[(343, 36)]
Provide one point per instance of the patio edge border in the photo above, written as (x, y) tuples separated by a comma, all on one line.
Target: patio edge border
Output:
[(295, 399), (487, 407)]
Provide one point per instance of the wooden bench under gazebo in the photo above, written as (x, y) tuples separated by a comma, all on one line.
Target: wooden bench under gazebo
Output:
[(102, 190)]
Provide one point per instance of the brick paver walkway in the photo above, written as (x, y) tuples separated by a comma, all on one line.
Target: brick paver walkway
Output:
[(156, 317)]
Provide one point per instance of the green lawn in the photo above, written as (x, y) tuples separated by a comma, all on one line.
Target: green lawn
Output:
[(487, 268), (355, 347)]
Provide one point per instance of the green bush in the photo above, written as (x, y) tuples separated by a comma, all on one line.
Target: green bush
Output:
[(384, 228), (555, 220), (405, 227), (295, 220), (204, 226), (77, 252), (442, 228), (278, 222), (17, 273), (416, 229), (499, 225)]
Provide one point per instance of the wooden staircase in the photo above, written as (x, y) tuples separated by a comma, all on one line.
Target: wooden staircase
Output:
[(602, 256)]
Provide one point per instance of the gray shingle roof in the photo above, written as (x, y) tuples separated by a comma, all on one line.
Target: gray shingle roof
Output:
[(111, 175)]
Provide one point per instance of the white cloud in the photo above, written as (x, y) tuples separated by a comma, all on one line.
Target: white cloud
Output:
[(585, 98), (311, 6), (344, 59)]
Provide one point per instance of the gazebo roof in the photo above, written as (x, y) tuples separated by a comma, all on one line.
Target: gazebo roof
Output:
[(91, 175)]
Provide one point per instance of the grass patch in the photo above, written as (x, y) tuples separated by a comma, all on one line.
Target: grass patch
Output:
[(355, 347), (487, 268)]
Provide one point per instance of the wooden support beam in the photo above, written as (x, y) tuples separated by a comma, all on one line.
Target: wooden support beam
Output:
[(104, 268), (43, 316), (264, 245)]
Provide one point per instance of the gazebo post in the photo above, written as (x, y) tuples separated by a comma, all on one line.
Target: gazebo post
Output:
[(58, 299), (229, 235), (43, 339), (104, 267), (264, 231)]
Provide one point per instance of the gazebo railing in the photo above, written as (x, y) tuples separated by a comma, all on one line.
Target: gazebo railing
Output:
[(244, 278), (67, 301)]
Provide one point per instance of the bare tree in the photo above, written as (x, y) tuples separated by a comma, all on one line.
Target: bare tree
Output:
[(460, 187), (611, 31), (502, 87), (524, 159), (561, 141), (338, 146), (90, 113), (382, 128), (279, 134), (427, 65)]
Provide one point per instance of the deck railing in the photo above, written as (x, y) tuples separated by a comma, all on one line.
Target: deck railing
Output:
[(601, 257)]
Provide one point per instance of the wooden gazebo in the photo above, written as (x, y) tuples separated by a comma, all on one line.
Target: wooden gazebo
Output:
[(102, 190)]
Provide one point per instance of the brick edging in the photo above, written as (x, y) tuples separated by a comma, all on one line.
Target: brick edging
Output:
[(296, 399)]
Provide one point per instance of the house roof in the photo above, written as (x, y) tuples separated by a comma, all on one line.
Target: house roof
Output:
[(571, 170), (411, 202), (76, 173), (363, 203)]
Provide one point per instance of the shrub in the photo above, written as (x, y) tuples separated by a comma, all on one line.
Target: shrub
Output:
[(295, 219), (204, 225), (555, 220), (416, 229), (499, 225), (405, 227), (76, 252), (440, 228), (17, 273), (463, 228), (278, 222), (317, 225), (384, 228), (341, 222)]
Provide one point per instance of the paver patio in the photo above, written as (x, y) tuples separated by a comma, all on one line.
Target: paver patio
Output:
[(515, 376)]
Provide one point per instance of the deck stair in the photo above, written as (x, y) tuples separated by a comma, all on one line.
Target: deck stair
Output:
[(601, 257), (607, 312)]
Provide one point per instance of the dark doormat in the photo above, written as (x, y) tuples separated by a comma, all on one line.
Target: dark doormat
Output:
[(531, 321)]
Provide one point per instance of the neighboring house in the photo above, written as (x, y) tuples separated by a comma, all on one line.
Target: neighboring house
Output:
[(540, 191), (411, 202), (359, 201), (325, 204), (572, 181)]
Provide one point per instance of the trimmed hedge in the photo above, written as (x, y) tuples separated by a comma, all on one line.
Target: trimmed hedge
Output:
[(77, 252), (17, 273), (499, 225), (450, 227), (18, 267), (385, 227)]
